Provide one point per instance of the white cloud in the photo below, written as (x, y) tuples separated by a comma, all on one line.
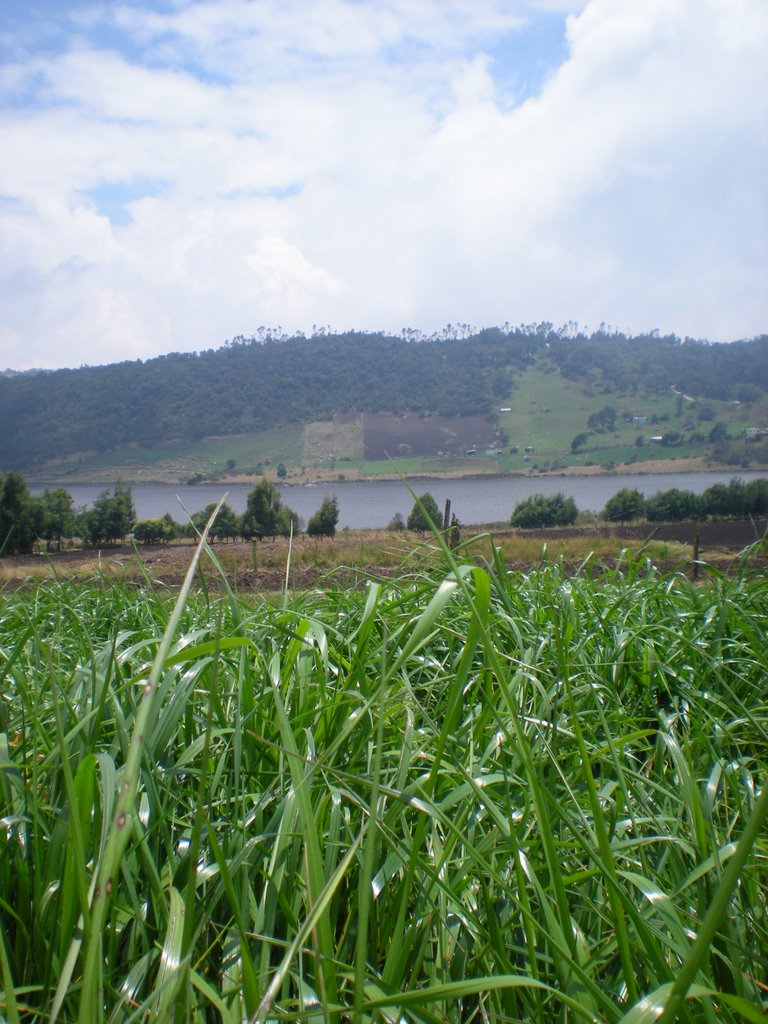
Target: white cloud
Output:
[(366, 165)]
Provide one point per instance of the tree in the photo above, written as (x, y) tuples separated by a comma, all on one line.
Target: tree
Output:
[(715, 501), (226, 526), (603, 420), (172, 528), (110, 518), (540, 511), (260, 516), (756, 497), (729, 499), (122, 513), (281, 470), (21, 516), (58, 516), (396, 523), (287, 522), (151, 531), (673, 505), (323, 522), (625, 505), (718, 433), (579, 441), (424, 510)]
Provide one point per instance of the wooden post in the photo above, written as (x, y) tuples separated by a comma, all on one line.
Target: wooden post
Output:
[(447, 514)]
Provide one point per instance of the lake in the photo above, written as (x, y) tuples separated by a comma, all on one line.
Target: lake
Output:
[(371, 504)]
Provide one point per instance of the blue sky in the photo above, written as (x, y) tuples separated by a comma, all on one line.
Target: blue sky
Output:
[(177, 173)]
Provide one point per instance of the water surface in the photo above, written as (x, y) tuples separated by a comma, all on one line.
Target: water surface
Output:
[(371, 504)]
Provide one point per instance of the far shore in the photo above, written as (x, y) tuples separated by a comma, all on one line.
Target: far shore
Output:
[(349, 474)]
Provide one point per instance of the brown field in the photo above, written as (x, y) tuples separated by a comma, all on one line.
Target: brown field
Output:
[(388, 435), (355, 555)]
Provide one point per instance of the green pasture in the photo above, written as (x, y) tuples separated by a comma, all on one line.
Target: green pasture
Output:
[(548, 411), (459, 795), (179, 460)]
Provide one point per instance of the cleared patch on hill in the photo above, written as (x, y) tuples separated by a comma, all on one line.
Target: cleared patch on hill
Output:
[(326, 441), (390, 435)]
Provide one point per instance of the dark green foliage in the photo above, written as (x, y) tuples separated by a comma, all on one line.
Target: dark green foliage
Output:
[(58, 516), (265, 515), (227, 525), (288, 521), (422, 512), (540, 511), (756, 497), (323, 522), (21, 515), (673, 505), (626, 505), (653, 363), (152, 531), (736, 499), (260, 516), (603, 420), (110, 518), (579, 441), (721, 500), (718, 433)]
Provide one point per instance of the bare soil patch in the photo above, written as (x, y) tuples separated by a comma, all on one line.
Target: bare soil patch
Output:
[(388, 435), (263, 567)]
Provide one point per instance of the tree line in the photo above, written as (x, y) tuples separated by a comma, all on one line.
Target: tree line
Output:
[(51, 518), (253, 384), (247, 387), (735, 500)]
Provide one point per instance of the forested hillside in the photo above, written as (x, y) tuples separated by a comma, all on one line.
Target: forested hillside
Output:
[(255, 384)]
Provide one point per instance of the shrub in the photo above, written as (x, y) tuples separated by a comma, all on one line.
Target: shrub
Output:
[(323, 522), (424, 510), (673, 505), (540, 510), (151, 531), (625, 505)]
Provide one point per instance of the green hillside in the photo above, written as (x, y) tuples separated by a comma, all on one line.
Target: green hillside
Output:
[(352, 405)]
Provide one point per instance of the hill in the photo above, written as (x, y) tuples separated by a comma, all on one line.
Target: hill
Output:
[(499, 400)]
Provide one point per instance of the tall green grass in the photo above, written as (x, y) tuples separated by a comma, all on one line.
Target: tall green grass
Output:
[(467, 795)]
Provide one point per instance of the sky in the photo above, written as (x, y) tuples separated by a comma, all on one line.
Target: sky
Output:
[(175, 173)]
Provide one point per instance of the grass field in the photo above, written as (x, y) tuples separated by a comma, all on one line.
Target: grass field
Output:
[(461, 795), (177, 461)]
